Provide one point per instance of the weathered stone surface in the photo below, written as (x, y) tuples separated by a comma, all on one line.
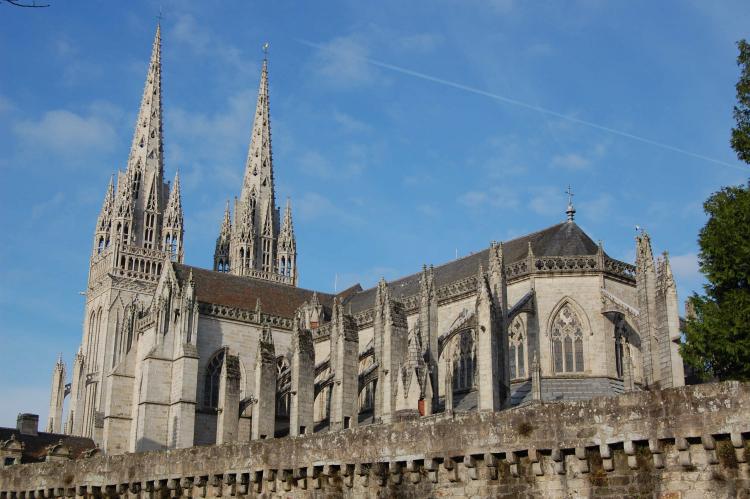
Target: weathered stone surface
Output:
[(534, 450)]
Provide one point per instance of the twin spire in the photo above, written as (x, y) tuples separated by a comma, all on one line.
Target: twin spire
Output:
[(141, 211), (258, 243)]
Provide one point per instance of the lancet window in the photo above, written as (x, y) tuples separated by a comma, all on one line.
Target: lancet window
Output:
[(212, 381), (464, 361), (567, 341), (518, 348)]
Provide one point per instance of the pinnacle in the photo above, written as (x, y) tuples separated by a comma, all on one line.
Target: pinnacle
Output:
[(147, 148)]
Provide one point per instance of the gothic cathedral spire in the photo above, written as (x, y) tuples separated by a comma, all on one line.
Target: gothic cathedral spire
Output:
[(257, 247), (141, 190)]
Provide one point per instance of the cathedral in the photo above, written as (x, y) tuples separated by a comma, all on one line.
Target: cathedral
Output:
[(175, 356)]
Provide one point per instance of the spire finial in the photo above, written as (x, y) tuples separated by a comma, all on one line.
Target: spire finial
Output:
[(571, 212), (265, 51)]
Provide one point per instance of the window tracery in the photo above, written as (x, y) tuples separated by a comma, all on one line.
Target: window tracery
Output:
[(567, 341)]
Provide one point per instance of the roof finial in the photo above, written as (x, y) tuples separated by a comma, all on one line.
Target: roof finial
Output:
[(571, 212), (265, 51)]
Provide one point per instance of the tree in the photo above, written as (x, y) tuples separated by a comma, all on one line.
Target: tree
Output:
[(741, 134), (717, 332)]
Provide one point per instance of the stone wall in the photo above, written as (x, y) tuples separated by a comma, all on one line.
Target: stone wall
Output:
[(682, 442)]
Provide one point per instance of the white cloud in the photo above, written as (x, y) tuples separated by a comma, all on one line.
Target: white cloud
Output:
[(351, 162), (547, 200), (313, 206), (473, 198), (67, 133), (204, 43), (341, 63), (571, 161), (428, 209), (349, 123), (495, 196), (40, 209), (5, 105), (685, 267), (596, 209)]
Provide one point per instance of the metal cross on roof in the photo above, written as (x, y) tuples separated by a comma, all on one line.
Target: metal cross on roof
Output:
[(571, 212)]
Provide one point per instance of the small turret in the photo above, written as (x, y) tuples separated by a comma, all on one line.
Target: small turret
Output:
[(104, 221), (172, 228), (286, 249), (221, 253)]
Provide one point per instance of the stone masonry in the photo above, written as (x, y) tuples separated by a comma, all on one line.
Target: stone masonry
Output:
[(689, 442)]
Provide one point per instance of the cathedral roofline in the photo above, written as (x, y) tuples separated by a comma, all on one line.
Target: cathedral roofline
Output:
[(562, 239)]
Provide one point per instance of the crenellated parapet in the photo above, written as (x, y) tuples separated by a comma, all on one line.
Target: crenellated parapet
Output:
[(662, 443)]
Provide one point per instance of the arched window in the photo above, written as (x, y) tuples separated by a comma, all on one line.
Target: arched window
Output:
[(101, 244), (464, 361), (567, 341), (213, 379), (518, 348), (282, 267), (137, 180)]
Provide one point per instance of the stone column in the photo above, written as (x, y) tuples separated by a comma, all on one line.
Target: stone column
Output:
[(673, 371), (302, 382), (228, 419), (344, 363), (645, 279), (486, 348), (428, 325), (498, 286), (77, 385), (393, 352), (264, 409)]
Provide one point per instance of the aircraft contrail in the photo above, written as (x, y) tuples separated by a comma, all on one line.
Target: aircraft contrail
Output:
[(516, 102)]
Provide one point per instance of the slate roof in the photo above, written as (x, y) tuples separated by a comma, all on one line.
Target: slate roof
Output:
[(35, 446), (564, 239), (243, 292)]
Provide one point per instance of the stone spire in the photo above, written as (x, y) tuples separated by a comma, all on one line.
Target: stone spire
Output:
[(104, 222), (646, 282), (221, 253), (141, 189), (286, 246), (668, 326), (259, 167), (146, 151), (57, 395), (172, 227)]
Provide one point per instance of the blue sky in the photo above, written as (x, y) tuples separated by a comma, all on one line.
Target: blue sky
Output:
[(386, 170)]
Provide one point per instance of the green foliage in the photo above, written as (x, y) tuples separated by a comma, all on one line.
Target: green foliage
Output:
[(741, 134), (718, 335)]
